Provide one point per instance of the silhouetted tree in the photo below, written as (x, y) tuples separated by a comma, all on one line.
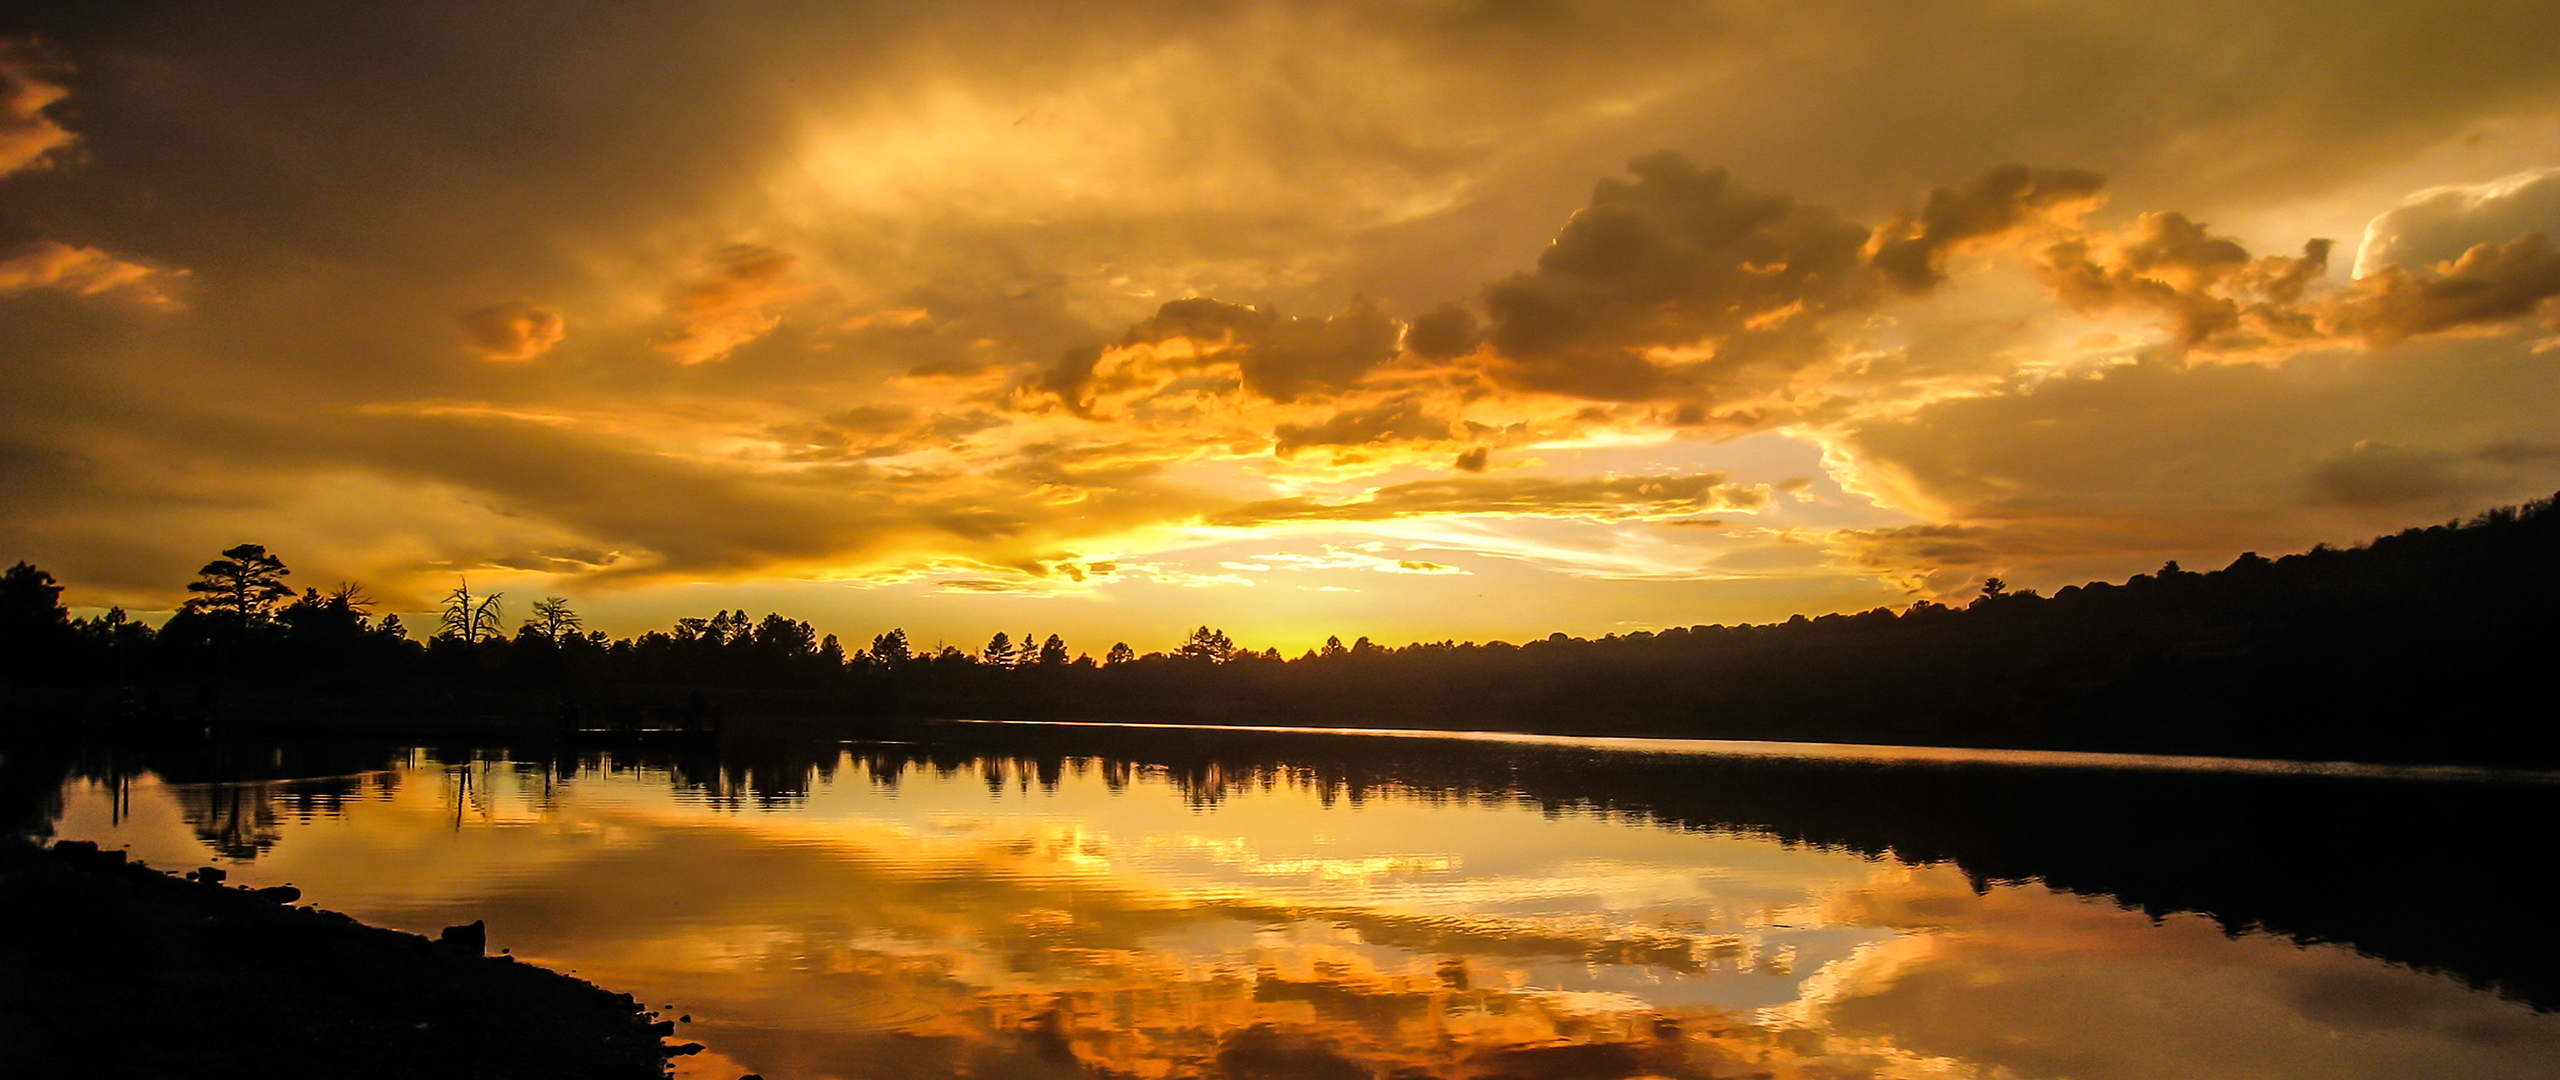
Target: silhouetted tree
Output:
[(35, 629), (472, 618), (1213, 646), (1053, 652), (117, 646), (999, 651), (553, 619), (242, 586), (1120, 654), (30, 606), (891, 648)]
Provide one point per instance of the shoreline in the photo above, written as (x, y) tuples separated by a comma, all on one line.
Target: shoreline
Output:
[(109, 967)]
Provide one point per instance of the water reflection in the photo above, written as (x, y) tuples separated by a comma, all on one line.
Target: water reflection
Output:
[(1201, 906)]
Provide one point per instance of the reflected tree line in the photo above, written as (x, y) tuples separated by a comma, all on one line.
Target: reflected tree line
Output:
[(2436, 875), (2425, 645), (2439, 875)]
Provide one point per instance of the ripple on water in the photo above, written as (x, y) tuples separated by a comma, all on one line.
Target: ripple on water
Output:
[(849, 1005)]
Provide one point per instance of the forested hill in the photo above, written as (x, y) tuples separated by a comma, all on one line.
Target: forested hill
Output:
[(2431, 645), (2434, 644)]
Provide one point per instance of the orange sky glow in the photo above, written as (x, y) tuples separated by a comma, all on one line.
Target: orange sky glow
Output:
[(1412, 320)]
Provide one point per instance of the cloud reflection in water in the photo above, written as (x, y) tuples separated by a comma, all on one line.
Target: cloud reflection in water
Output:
[(997, 918)]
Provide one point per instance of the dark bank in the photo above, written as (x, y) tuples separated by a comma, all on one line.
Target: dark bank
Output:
[(119, 970)]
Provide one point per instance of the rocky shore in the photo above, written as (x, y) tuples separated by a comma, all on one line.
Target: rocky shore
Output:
[(112, 969)]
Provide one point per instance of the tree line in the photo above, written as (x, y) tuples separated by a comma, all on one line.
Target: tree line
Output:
[(244, 627), (2427, 645)]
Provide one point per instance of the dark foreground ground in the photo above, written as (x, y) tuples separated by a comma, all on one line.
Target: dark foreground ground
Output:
[(109, 969)]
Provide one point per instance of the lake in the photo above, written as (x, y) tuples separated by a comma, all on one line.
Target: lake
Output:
[(1058, 900)]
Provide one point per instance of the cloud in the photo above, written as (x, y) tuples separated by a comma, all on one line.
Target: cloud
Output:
[(560, 561), (1622, 498), (1362, 203), (28, 137), (2063, 479), (1302, 355), (1677, 256), (84, 271), (727, 308), (1403, 419), (2216, 298), (2376, 475), (1933, 559), (993, 585), (512, 332), (2441, 224), (1277, 357), (1443, 333), (2212, 293), (2023, 980), (2383, 474), (2490, 284), (1337, 557), (1911, 250)]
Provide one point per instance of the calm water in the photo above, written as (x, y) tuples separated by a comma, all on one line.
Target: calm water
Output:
[(1316, 907)]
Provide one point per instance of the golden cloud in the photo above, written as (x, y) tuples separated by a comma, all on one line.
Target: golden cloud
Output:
[(2489, 285), (1912, 249), (1621, 498), (925, 228), (27, 135), (2216, 298), (85, 271), (512, 332), (2439, 224), (728, 308)]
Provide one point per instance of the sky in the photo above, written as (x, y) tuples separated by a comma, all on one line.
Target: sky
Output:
[(1419, 321)]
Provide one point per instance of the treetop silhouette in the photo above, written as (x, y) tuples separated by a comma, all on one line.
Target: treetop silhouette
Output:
[(472, 619), (245, 584), (553, 619)]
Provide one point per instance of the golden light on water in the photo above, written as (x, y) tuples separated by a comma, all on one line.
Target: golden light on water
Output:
[(1005, 916)]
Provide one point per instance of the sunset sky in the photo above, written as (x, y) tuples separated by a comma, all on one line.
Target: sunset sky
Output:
[(1416, 320)]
